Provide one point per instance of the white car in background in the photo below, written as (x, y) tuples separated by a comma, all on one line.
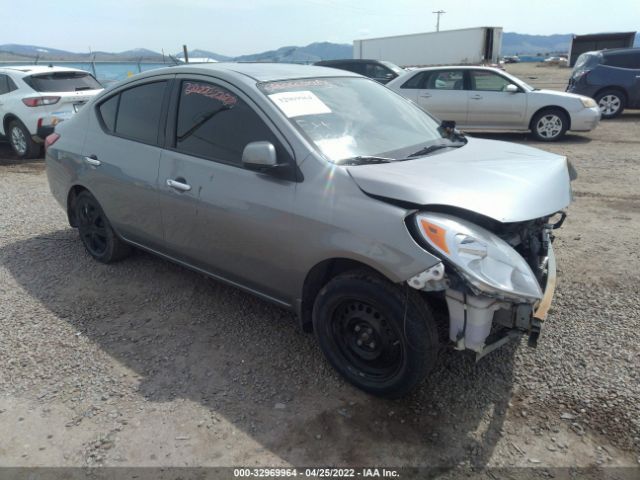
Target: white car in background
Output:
[(33, 99), (484, 98)]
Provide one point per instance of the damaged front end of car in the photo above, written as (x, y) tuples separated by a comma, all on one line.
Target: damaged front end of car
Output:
[(498, 279)]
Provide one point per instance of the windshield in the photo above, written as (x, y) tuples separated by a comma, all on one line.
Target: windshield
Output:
[(354, 117), (63, 82)]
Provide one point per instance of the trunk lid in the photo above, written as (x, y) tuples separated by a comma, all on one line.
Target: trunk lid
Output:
[(504, 181)]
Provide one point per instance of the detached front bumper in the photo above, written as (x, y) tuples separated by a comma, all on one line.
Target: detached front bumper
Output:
[(483, 324)]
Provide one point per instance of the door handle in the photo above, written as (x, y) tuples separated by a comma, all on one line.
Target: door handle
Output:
[(178, 184), (476, 97), (425, 95), (92, 160)]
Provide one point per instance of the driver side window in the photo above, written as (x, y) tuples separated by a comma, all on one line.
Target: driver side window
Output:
[(216, 124), (486, 81)]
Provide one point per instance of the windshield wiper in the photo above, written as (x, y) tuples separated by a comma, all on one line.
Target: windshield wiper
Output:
[(364, 160), (203, 119), (433, 148)]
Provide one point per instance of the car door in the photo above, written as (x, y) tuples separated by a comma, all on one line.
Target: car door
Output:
[(442, 94), (218, 216), (490, 106), (121, 153)]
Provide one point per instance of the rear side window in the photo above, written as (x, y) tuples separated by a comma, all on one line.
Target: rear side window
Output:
[(63, 82), (216, 124), (446, 80), (138, 112), (623, 60), (359, 68)]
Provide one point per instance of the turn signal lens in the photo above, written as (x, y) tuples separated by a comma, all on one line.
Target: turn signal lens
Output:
[(436, 234)]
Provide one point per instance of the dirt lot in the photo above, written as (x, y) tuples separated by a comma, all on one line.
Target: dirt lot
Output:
[(146, 363)]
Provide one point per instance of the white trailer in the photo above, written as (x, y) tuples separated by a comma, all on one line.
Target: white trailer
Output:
[(467, 46)]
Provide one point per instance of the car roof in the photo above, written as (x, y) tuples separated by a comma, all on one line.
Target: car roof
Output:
[(260, 72), (620, 51), (26, 70), (346, 60), (458, 67)]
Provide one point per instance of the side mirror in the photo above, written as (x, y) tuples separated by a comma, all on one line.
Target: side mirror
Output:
[(259, 156), (511, 88)]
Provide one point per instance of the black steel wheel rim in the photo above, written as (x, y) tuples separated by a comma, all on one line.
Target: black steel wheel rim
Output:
[(370, 345), (92, 227)]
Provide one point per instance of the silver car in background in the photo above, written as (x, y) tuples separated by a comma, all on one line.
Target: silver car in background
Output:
[(484, 98), (325, 193)]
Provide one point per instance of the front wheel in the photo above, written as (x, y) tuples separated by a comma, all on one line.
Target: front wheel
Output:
[(549, 125), (381, 338)]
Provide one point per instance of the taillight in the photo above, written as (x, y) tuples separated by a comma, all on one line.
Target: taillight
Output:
[(50, 140), (39, 101)]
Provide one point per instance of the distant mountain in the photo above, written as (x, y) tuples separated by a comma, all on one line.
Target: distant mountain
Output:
[(204, 54), (311, 53), (31, 52), (512, 44), (518, 44)]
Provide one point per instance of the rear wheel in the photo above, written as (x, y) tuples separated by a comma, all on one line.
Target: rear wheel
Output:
[(21, 142), (549, 125), (611, 103), (95, 231), (381, 338)]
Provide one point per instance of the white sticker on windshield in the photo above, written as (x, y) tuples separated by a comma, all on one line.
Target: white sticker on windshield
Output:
[(297, 104)]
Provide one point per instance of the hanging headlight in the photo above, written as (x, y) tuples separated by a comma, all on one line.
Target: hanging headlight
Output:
[(486, 261)]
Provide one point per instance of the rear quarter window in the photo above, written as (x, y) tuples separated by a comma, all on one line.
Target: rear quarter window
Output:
[(107, 111), (623, 60), (62, 82)]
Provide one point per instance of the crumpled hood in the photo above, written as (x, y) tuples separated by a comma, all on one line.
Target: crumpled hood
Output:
[(504, 181)]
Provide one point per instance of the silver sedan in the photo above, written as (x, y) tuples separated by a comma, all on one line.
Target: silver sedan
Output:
[(484, 98), (325, 193)]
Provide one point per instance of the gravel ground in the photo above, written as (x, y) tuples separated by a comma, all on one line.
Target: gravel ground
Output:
[(146, 363)]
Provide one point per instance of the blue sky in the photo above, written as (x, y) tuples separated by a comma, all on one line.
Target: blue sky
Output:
[(235, 27)]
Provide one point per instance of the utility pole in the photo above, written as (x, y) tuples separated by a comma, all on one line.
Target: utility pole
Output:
[(186, 53), (438, 13)]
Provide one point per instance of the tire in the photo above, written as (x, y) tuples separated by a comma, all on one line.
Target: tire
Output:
[(381, 338), (96, 233), (549, 125), (611, 103), (21, 142)]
